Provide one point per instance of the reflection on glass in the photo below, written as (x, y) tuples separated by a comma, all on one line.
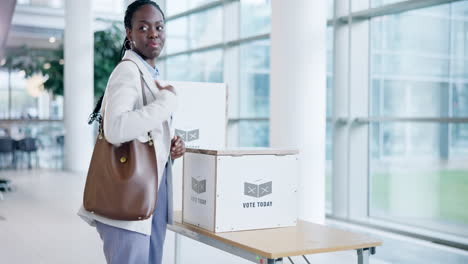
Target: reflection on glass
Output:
[(254, 94), (459, 100), (179, 6), (207, 66), (109, 6), (102, 6), (177, 68), (199, 67), (418, 72), (419, 171), (48, 138), (414, 178), (177, 35), (206, 28), (408, 98), (255, 17), (197, 3), (24, 106), (28, 99), (45, 3), (4, 108), (254, 79), (4, 94), (330, 8), (194, 31), (458, 141), (253, 133), (377, 3), (175, 7)]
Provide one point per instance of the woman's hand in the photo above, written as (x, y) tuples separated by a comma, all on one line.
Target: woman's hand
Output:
[(177, 147), (170, 88)]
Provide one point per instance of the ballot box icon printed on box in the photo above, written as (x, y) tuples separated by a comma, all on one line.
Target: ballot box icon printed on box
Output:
[(199, 186), (188, 135), (259, 188), (193, 135)]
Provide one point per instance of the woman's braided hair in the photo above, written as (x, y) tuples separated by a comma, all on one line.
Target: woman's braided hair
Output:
[(131, 9)]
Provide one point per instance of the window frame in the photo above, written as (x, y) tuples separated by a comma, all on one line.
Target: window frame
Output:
[(351, 119)]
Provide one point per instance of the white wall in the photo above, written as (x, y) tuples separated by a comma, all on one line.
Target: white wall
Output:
[(297, 94)]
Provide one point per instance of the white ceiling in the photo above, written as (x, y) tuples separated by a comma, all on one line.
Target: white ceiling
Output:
[(7, 8), (33, 26)]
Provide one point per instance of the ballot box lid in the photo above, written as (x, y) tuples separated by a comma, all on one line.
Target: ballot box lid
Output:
[(244, 151)]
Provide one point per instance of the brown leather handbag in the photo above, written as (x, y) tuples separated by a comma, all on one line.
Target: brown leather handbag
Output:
[(122, 181)]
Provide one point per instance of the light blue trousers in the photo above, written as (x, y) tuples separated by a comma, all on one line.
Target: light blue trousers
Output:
[(126, 247)]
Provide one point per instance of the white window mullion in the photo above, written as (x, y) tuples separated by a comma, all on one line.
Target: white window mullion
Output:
[(162, 64), (359, 132), (231, 67), (351, 90), (340, 112)]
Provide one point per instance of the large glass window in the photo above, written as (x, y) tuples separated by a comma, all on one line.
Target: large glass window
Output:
[(195, 31), (255, 79), (330, 7), (247, 60), (418, 170), (4, 95), (377, 3), (175, 7), (104, 6), (255, 17), (253, 125), (254, 133), (48, 137), (45, 3), (177, 35), (179, 6), (200, 67), (26, 109), (206, 28), (109, 6), (25, 98)]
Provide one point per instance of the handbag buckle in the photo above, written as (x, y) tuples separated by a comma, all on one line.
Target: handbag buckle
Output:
[(150, 139)]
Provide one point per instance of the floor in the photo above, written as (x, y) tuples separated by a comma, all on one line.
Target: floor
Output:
[(38, 224), (38, 221)]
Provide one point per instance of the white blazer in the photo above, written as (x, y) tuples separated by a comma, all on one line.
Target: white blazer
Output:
[(126, 119)]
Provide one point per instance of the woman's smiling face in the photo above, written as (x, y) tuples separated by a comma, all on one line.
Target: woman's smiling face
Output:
[(147, 32)]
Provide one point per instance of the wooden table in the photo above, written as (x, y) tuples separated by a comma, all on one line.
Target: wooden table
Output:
[(270, 246)]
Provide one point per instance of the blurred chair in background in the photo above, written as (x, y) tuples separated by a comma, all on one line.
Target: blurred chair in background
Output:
[(28, 146), (7, 149), (60, 139), (7, 161)]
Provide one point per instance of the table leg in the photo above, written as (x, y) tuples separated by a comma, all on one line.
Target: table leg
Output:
[(275, 261), (177, 241), (363, 255)]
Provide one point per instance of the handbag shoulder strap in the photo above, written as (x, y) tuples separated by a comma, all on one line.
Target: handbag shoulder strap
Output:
[(141, 79), (101, 123)]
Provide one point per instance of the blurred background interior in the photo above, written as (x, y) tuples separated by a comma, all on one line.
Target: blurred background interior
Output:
[(411, 141)]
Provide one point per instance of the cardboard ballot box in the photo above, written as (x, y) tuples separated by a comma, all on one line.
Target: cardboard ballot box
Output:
[(240, 189)]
